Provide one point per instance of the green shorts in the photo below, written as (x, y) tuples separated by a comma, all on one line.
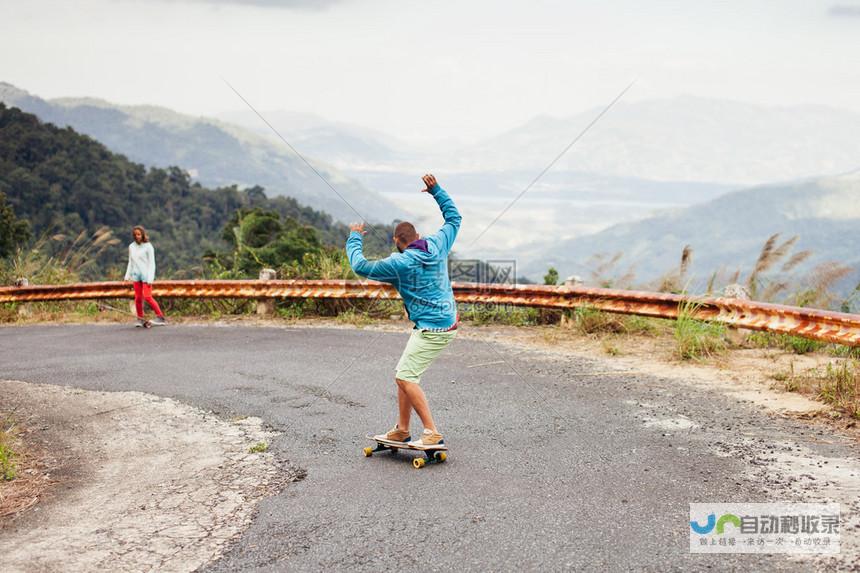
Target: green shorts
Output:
[(423, 347)]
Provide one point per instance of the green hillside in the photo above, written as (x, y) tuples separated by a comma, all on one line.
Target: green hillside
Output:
[(63, 182), (217, 154)]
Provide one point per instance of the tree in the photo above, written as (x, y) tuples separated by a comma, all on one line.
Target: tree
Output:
[(260, 238), (551, 277), (252, 228), (256, 196), (64, 182), (14, 232)]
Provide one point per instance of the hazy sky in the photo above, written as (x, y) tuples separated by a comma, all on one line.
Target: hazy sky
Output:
[(426, 70)]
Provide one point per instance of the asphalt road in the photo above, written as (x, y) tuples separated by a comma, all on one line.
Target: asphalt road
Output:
[(550, 468)]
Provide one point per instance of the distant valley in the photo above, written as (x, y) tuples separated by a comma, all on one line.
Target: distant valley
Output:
[(726, 233), (643, 160)]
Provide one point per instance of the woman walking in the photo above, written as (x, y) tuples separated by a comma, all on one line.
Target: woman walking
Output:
[(141, 270)]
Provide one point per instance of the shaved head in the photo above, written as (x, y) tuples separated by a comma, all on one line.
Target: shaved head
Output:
[(404, 233)]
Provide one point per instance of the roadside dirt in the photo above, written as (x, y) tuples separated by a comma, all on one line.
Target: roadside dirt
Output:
[(135, 482), (32, 464)]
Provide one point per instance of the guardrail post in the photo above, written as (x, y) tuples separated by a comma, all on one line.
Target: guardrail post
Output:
[(25, 309), (567, 315), (266, 306), (737, 335)]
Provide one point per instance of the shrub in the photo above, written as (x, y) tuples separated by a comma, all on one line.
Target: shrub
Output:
[(354, 318), (589, 320), (844, 351), (644, 325), (697, 339), (789, 342), (258, 448), (840, 386), (8, 470), (499, 314), (7, 463), (800, 345)]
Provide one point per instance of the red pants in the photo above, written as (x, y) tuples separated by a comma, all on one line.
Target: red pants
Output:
[(143, 292)]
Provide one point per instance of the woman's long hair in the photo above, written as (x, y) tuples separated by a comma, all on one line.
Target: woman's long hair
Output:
[(144, 238)]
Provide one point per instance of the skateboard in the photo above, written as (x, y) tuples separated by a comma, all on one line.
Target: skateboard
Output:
[(146, 324), (433, 454)]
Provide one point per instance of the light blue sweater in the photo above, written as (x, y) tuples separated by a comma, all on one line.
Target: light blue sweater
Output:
[(141, 263), (420, 277)]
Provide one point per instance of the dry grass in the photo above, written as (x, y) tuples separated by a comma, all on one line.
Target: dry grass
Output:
[(72, 258), (795, 260), (351, 317), (589, 320), (610, 347), (771, 253), (818, 291), (794, 344), (675, 280), (686, 261), (603, 267), (836, 383), (64, 312), (24, 475)]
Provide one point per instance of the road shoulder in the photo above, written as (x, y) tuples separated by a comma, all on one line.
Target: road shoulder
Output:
[(139, 482)]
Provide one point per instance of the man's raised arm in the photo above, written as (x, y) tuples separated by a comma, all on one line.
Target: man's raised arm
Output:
[(446, 236), (382, 270)]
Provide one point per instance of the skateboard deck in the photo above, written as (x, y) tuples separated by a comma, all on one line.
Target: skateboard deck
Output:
[(432, 454)]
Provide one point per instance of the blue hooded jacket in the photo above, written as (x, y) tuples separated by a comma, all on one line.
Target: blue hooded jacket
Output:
[(420, 273)]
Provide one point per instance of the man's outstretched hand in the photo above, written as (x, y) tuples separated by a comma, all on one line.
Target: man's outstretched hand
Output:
[(358, 227), (429, 181)]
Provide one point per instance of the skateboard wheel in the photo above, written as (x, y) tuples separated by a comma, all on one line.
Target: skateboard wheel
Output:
[(440, 456), (418, 463), (368, 451)]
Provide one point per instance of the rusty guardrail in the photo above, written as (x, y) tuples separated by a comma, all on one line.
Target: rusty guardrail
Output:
[(810, 323)]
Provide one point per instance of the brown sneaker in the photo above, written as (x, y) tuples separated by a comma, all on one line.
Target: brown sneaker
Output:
[(429, 440), (395, 434)]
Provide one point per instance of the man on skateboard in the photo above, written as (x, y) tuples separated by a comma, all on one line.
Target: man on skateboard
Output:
[(419, 272)]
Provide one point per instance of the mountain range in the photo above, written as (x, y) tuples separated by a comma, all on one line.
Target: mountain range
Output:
[(640, 158), (66, 187), (343, 145), (649, 178), (725, 233), (213, 152)]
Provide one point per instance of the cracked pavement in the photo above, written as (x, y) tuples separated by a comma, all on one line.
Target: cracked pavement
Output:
[(147, 484)]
